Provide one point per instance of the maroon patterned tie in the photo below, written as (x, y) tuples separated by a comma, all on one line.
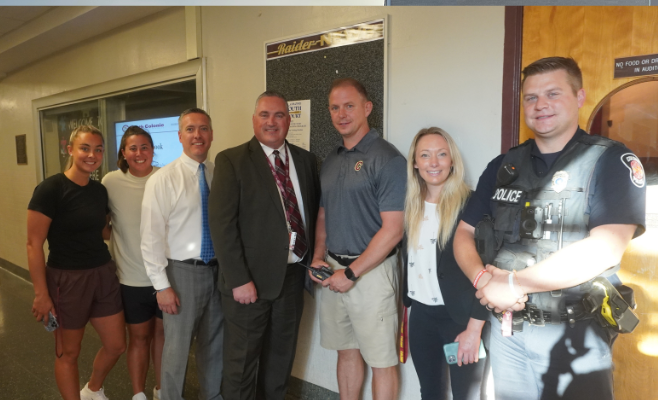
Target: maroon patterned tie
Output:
[(292, 209)]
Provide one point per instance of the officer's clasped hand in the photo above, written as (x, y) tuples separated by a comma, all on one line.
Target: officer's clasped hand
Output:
[(496, 293)]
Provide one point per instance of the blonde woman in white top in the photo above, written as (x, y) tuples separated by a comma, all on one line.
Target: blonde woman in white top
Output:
[(125, 189), (442, 300)]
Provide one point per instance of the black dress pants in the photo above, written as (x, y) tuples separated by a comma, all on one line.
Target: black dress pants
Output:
[(260, 340), (430, 327)]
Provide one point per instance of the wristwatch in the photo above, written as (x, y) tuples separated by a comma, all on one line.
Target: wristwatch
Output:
[(349, 274)]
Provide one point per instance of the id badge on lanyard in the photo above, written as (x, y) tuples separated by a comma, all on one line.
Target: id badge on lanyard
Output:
[(292, 236)]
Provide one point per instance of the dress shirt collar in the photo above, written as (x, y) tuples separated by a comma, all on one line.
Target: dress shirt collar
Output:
[(191, 164), (268, 151)]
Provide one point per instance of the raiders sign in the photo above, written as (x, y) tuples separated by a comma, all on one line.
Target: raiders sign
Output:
[(507, 195)]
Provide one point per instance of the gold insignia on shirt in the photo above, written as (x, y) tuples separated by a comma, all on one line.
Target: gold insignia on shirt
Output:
[(420, 276), (420, 247), (426, 218), (358, 165)]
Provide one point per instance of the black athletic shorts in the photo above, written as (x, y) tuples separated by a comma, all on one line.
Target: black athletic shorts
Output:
[(139, 304)]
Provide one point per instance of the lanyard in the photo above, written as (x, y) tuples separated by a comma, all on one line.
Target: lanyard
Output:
[(279, 184)]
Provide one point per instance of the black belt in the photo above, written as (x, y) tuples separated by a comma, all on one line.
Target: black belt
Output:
[(200, 263), (534, 316), (346, 262)]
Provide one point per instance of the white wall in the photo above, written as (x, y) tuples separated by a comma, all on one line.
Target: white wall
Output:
[(445, 69), (156, 41)]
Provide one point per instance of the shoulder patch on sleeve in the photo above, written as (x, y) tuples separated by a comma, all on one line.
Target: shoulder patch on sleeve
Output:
[(634, 165)]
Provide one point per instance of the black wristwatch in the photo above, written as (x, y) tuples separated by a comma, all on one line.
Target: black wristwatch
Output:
[(349, 274)]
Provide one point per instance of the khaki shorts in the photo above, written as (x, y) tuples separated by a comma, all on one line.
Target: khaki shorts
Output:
[(365, 317)]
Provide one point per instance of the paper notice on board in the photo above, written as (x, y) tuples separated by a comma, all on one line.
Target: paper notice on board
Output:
[(299, 133)]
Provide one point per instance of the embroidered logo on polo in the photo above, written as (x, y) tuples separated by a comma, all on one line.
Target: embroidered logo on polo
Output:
[(633, 163), (358, 165), (508, 195)]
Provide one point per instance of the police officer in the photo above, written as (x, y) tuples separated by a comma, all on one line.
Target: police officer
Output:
[(564, 207)]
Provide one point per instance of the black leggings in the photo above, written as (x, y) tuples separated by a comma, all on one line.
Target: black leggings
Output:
[(430, 327)]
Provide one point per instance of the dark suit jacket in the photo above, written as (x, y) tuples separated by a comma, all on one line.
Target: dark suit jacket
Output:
[(247, 221), (457, 291)]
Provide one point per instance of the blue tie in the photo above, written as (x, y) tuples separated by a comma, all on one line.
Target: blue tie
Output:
[(207, 252)]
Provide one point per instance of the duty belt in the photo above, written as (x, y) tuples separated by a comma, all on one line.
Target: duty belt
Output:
[(534, 316)]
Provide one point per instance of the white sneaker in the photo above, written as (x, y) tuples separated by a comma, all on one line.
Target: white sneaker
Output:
[(88, 394), (140, 396), (156, 394)]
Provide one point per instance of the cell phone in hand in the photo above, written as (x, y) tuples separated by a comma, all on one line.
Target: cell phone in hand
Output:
[(451, 350), (52, 323), (321, 273)]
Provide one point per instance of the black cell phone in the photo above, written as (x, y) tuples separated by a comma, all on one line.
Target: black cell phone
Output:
[(52, 323), (321, 273)]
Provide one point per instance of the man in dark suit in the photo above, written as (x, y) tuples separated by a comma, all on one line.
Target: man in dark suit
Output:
[(262, 207)]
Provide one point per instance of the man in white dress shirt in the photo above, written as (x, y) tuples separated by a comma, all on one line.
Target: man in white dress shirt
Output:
[(179, 259)]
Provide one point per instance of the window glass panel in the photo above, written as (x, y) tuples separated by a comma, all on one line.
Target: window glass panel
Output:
[(150, 108), (56, 127)]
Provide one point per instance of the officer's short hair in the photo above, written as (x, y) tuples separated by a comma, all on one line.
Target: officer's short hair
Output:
[(550, 64), (271, 93), (193, 110), (343, 82)]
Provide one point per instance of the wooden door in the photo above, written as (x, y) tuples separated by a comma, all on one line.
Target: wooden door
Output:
[(594, 37)]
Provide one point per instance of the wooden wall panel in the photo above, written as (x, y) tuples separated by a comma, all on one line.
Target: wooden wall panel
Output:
[(595, 36)]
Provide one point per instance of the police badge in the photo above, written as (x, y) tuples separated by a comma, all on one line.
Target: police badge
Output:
[(559, 182)]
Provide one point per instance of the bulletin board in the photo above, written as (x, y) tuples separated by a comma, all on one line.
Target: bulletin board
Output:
[(303, 67)]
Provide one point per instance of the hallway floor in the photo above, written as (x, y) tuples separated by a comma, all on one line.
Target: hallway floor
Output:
[(27, 352)]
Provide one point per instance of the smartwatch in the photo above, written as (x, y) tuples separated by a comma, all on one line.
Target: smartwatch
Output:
[(349, 274)]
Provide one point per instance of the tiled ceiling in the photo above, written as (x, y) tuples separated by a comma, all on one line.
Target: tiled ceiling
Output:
[(12, 18)]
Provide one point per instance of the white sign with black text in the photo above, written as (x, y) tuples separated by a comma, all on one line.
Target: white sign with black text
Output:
[(299, 133)]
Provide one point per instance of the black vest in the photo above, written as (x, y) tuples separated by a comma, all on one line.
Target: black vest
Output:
[(536, 216)]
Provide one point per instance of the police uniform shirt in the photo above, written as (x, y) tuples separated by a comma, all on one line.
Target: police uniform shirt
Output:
[(617, 193)]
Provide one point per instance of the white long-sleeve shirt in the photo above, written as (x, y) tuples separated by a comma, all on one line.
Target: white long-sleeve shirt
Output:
[(171, 217)]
